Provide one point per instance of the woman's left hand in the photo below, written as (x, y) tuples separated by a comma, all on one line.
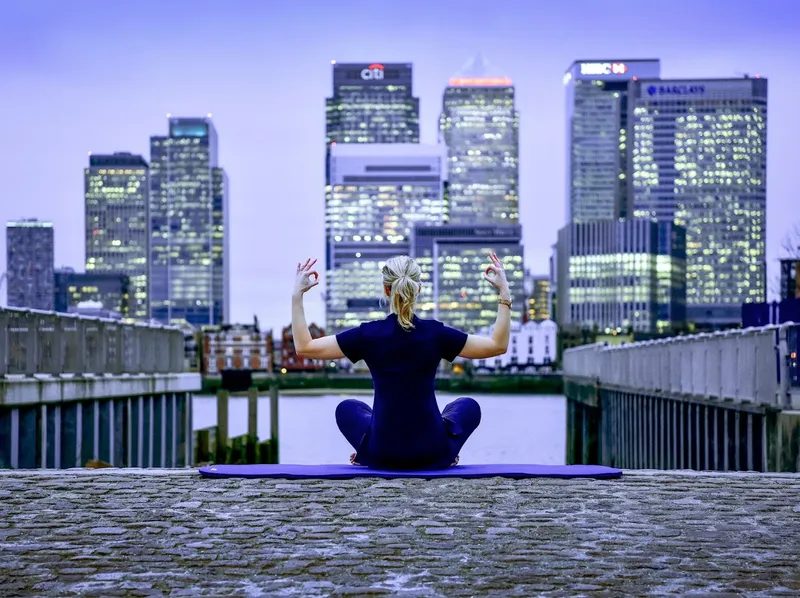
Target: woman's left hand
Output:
[(306, 277)]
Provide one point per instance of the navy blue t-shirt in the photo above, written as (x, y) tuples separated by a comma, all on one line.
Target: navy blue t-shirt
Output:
[(407, 428)]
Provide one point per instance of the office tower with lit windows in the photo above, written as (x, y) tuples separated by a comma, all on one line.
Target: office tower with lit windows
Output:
[(622, 276), (189, 225), (377, 193), (537, 292), (453, 258), (552, 267), (598, 136), (700, 160), (111, 289), (479, 125), (30, 250), (117, 223), (371, 103)]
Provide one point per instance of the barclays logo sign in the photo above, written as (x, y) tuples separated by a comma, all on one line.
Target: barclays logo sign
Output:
[(675, 90)]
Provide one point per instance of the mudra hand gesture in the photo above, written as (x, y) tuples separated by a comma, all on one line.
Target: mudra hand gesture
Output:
[(306, 277), (495, 274)]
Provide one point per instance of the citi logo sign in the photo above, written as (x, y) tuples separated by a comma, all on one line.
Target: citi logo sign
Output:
[(373, 72)]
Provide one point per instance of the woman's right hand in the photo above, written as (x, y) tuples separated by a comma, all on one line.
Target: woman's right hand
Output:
[(495, 275), (303, 277)]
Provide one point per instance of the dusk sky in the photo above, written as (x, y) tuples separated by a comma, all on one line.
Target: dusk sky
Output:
[(91, 75)]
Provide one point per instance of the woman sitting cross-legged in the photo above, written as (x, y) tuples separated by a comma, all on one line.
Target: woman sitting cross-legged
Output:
[(405, 429)]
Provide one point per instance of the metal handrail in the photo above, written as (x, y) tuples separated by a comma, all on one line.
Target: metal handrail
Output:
[(752, 365), (34, 342)]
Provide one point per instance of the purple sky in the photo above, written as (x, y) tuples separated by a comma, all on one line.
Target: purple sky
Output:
[(93, 75)]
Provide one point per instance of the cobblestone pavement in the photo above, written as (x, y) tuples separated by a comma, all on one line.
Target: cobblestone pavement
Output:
[(149, 533)]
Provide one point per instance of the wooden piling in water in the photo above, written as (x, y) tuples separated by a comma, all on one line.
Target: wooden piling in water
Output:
[(273, 423), (252, 413), (214, 444), (222, 426)]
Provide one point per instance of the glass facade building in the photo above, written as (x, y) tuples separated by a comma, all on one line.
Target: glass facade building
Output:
[(623, 275), (371, 103), (111, 289), (453, 259), (699, 159), (479, 125), (117, 216), (537, 290), (378, 192), (30, 255), (189, 225), (598, 136)]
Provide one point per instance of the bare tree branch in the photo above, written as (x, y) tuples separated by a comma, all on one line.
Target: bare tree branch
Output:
[(790, 245), (789, 249)]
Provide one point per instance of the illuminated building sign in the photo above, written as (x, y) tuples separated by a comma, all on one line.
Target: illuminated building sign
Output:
[(368, 74), (604, 68), (675, 90), (495, 232), (480, 82), (373, 72)]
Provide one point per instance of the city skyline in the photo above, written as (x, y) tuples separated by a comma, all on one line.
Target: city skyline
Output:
[(112, 115), (686, 151)]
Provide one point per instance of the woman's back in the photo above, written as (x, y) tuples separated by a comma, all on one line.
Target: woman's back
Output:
[(406, 422), (389, 350)]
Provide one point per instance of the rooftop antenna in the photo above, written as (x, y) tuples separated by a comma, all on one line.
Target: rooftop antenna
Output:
[(741, 74)]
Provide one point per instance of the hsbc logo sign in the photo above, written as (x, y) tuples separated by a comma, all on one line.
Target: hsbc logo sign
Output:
[(604, 68), (373, 72)]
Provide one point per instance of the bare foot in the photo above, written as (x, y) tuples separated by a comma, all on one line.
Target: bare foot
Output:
[(353, 459), (454, 463)]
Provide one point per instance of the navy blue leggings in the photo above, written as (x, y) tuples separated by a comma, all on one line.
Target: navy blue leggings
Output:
[(463, 416)]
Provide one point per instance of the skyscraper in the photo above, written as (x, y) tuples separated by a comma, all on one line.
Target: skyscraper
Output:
[(30, 264), (598, 136), (377, 193), (480, 126), (620, 275), (189, 224), (700, 160), (117, 223), (453, 258), (537, 291), (371, 103)]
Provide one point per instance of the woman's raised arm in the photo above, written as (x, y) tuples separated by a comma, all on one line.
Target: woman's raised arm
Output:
[(481, 347), (326, 347)]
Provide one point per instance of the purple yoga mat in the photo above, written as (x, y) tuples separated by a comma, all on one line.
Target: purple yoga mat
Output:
[(342, 472)]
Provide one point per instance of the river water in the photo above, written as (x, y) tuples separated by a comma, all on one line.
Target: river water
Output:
[(513, 429)]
